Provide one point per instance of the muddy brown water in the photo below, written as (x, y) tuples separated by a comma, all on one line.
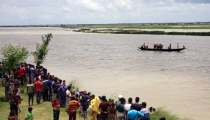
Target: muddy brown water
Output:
[(110, 64)]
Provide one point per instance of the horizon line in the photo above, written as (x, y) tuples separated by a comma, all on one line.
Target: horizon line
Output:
[(100, 24)]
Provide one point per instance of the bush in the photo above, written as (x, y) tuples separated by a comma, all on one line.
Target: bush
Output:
[(13, 56), (3, 99)]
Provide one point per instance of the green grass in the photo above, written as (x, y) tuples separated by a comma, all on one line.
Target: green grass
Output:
[(41, 111), (168, 115)]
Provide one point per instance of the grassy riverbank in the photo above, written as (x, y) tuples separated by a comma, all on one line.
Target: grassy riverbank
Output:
[(43, 111), (111, 31), (150, 32)]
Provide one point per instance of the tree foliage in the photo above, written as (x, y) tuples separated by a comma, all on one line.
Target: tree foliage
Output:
[(13, 56), (42, 49)]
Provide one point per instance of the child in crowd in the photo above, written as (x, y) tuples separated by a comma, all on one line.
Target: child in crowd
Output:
[(153, 110), (30, 115), (56, 108), (150, 110)]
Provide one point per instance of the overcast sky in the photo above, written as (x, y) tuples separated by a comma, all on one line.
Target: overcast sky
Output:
[(27, 12)]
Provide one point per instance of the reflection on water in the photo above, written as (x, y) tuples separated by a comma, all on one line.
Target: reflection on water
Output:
[(108, 64)]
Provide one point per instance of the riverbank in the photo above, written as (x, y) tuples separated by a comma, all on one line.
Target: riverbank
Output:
[(43, 111)]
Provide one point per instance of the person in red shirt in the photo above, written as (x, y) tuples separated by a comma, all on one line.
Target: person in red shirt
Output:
[(104, 107), (18, 73), (38, 89), (56, 108), (22, 73)]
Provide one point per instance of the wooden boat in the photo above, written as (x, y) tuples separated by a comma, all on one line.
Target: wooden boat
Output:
[(165, 50)]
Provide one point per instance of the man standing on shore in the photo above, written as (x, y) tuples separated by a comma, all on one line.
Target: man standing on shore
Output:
[(62, 93), (137, 106), (73, 106), (68, 96), (38, 89), (45, 88), (104, 106), (30, 92)]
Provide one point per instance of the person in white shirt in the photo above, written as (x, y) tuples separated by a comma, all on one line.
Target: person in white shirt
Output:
[(68, 96), (145, 111), (128, 105), (30, 92)]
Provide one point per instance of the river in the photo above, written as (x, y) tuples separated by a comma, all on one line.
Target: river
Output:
[(110, 64)]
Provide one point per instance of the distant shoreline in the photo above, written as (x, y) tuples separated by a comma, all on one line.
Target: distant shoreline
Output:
[(139, 31)]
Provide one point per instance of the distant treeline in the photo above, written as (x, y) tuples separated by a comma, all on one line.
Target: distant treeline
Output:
[(154, 32)]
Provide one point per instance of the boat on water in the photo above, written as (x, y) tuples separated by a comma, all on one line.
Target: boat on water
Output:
[(165, 50)]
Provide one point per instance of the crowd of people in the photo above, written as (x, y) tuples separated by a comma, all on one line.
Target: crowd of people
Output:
[(51, 89), (158, 46)]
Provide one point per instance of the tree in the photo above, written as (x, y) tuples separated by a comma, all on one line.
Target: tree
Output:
[(42, 50), (13, 56)]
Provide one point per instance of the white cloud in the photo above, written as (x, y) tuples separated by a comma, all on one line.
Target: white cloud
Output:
[(15, 12)]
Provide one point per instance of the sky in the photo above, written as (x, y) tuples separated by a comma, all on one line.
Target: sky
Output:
[(41, 12)]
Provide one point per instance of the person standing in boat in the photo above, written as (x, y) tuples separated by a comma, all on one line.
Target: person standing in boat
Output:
[(178, 45), (161, 46), (143, 46)]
